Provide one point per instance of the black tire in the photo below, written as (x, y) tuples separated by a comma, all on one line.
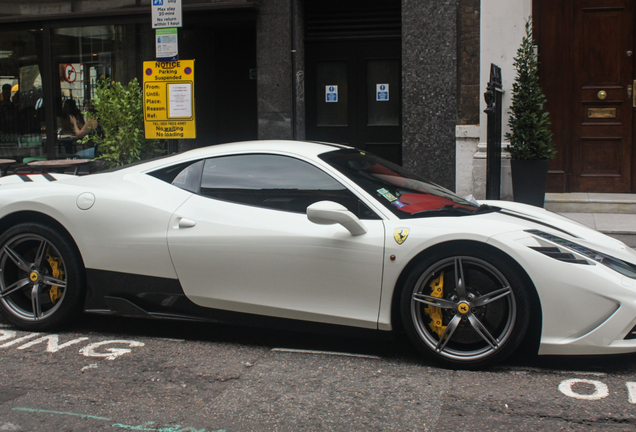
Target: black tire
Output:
[(41, 278), (469, 322)]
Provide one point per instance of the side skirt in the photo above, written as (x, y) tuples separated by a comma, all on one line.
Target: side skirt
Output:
[(138, 296)]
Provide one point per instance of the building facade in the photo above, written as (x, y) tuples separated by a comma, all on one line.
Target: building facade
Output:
[(265, 67), (263, 70), (586, 53)]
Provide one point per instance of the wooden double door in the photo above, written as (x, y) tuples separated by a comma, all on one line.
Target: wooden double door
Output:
[(586, 53)]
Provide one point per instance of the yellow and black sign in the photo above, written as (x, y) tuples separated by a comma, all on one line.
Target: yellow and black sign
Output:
[(169, 99)]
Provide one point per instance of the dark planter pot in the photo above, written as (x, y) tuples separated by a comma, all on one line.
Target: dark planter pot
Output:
[(529, 178)]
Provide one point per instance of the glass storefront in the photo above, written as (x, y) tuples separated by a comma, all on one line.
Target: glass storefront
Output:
[(84, 57), (22, 117), (49, 70)]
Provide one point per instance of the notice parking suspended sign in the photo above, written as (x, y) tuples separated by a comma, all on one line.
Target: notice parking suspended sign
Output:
[(169, 100), (166, 13)]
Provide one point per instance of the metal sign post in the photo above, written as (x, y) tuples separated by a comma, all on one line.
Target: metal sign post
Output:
[(166, 17), (493, 97)]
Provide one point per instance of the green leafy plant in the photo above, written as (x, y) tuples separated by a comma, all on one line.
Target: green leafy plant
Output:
[(119, 137), (529, 136)]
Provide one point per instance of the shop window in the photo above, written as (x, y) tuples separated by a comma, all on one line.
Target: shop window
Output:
[(22, 120), (84, 57), (79, 57)]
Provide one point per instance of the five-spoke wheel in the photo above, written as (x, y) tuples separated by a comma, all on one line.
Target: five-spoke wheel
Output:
[(40, 277), (467, 309)]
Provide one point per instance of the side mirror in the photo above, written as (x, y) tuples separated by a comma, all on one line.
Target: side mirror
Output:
[(330, 213)]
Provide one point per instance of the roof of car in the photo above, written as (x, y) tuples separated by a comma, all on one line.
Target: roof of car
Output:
[(300, 148)]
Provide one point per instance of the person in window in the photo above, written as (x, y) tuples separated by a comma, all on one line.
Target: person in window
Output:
[(7, 123), (70, 111), (5, 97), (81, 130)]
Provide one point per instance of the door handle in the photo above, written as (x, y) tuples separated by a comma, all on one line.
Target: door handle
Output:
[(185, 223)]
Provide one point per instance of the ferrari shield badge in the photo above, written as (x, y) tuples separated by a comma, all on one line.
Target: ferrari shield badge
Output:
[(400, 235)]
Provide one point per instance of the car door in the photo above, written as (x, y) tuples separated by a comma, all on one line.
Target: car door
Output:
[(243, 243)]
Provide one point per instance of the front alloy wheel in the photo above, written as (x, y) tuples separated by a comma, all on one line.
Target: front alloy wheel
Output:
[(465, 310), (40, 281)]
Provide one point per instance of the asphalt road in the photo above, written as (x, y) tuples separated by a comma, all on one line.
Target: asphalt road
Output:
[(120, 374)]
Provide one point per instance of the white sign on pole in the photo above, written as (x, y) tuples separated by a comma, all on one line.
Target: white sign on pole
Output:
[(166, 13), (331, 93), (167, 47)]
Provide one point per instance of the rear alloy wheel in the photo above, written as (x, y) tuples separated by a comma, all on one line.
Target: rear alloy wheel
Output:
[(41, 277), (467, 311)]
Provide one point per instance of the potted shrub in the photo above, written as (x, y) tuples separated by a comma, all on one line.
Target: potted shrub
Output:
[(119, 137), (531, 146)]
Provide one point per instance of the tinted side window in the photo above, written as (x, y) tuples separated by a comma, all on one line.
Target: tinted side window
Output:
[(189, 178), (276, 182)]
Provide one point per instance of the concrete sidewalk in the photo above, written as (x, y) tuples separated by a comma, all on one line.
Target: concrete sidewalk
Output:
[(611, 214)]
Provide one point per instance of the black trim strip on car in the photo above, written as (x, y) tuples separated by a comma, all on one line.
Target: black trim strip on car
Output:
[(25, 178), (557, 254), (49, 177), (517, 215)]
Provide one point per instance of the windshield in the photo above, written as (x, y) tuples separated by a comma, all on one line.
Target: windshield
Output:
[(406, 194)]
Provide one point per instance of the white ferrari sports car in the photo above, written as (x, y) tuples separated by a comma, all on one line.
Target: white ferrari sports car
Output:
[(299, 232)]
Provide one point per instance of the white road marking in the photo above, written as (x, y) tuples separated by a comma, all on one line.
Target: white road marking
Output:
[(18, 340), (583, 373), (333, 353), (517, 369), (90, 366), (52, 343), (600, 389), (113, 353), (631, 390), (6, 334)]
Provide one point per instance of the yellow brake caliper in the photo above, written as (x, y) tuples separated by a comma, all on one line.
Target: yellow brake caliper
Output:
[(435, 313), (56, 263)]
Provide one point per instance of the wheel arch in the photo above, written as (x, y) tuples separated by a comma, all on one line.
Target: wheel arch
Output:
[(26, 216), (530, 343)]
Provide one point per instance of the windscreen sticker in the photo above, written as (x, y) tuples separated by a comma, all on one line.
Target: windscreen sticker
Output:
[(386, 194), (398, 204)]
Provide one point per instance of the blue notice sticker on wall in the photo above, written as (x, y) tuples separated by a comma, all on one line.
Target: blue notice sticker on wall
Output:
[(381, 92), (331, 93)]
